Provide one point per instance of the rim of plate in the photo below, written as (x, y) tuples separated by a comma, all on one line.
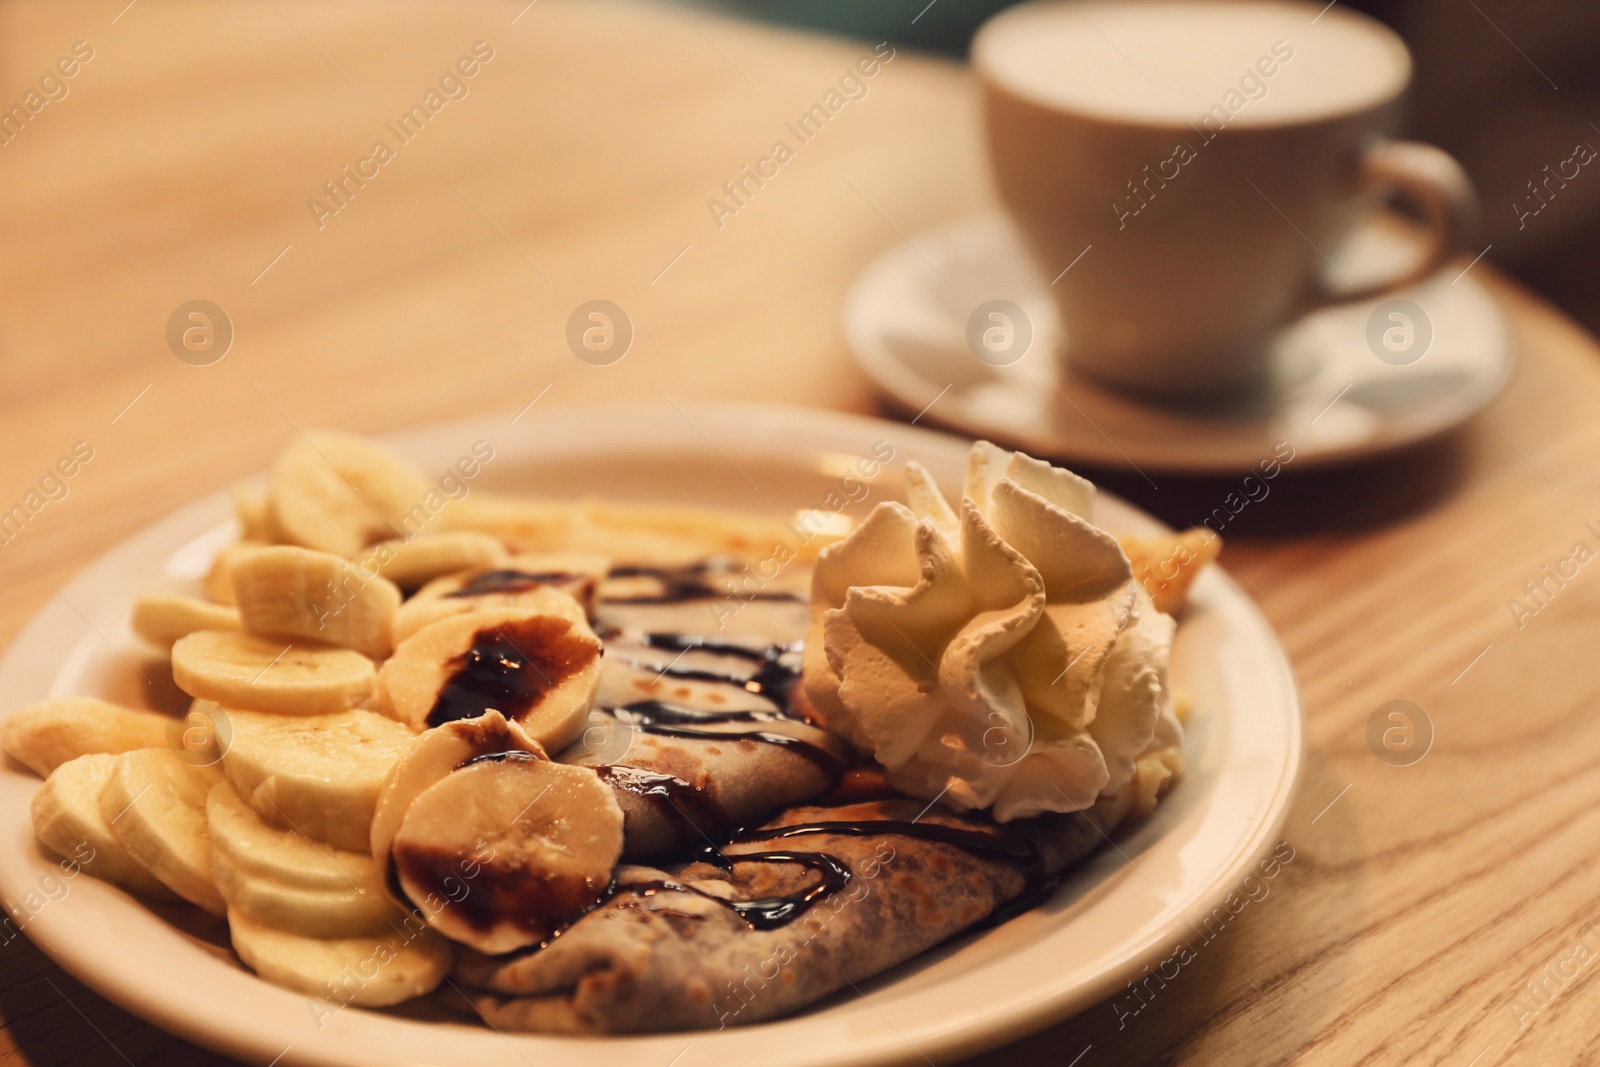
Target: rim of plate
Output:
[(185, 987)]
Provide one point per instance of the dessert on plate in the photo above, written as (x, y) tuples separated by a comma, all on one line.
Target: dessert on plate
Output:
[(583, 768)]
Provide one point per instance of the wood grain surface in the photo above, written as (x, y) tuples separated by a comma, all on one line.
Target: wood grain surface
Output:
[(1423, 900)]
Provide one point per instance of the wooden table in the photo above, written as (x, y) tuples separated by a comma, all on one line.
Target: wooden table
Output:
[(1423, 899)]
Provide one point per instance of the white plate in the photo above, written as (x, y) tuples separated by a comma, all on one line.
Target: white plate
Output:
[(1119, 911), (1329, 394)]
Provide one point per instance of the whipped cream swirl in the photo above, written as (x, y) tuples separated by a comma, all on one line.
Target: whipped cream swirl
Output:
[(1001, 656)]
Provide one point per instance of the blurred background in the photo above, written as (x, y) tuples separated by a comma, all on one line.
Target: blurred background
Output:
[(1477, 93)]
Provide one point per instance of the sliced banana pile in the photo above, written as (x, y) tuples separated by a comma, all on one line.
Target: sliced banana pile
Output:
[(363, 780), (265, 818)]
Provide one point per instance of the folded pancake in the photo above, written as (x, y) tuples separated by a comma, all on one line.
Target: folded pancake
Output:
[(782, 916), (700, 730)]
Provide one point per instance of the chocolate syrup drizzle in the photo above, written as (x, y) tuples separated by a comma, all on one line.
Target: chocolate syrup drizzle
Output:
[(675, 799), (774, 679), (771, 678), (673, 720), (669, 794), (509, 581), (994, 845), (771, 913), (510, 667)]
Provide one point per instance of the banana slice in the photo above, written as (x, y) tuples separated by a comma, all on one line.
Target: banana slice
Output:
[(370, 971), (292, 592), (319, 776), (45, 735), (538, 664), (419, 560), (67, 819), (241, 671), (250, 508), (289, 882), (218, 582), (339, 493), (511, 584), (162, 618), (435, 754), (258, 849), (155, 804), (297, 910), (501, 853)]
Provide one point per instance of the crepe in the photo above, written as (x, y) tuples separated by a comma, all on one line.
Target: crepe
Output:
[(688, 791), (816, 900), (700, 728)]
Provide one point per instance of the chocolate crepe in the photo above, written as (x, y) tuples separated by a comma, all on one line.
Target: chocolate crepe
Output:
[(780, 917)]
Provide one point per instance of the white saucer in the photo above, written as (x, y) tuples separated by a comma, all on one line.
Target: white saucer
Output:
[(1330, 397)]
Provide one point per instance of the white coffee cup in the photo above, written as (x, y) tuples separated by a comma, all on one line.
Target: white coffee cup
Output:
[(1195, 163)]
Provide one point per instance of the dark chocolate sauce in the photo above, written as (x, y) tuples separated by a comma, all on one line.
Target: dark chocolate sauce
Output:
[(695, 642), (685, 642), (674, 720), (771, 676), (486, 895), (750, 684), (769, 913), (510, 581), (1037, 891), (762, 913), (510, 667), (993, 845), (672, 797)]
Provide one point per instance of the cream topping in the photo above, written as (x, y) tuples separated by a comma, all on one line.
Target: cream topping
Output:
[(997, 655)]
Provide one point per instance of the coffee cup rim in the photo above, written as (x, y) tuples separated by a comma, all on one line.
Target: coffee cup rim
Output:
[(994, 78)]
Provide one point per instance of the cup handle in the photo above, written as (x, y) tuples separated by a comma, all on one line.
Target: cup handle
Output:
[(1438, 185)]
